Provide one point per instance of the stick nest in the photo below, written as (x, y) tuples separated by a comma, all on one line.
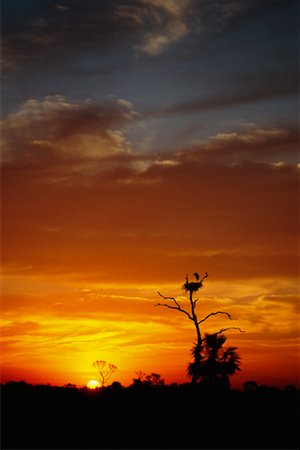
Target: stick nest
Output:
[(192, 286)]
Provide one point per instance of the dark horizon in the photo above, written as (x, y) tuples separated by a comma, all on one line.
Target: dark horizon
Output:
[(147, 416), (78, 386)]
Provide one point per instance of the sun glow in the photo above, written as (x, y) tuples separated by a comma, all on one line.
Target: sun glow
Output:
[(93, 384)]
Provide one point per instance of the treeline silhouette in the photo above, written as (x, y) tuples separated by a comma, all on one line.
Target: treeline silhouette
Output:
[(148, 414)]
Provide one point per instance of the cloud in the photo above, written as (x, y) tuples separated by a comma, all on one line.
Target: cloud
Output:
[(50, 36), (132, 329), (89, 136), (62, 7), (228, 204), (56, 130), (171, 25), (250, 143), (137, 216), (218, 16), (54, 31), (240, 89), (20, 328)]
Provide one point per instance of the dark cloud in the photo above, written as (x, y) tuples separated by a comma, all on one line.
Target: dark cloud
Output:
[(76, 140), (44, 36), (47, 33), (219, 16), (57, 129), (239, 90), (250, 143)]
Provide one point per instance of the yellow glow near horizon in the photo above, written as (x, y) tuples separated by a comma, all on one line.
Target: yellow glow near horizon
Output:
[(61, 328)]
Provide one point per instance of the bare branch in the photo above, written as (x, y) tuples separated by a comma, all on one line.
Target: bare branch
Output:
[(195, 301), (178, 307), (167, 298), (205, 276), (214, 314), (225, 329)]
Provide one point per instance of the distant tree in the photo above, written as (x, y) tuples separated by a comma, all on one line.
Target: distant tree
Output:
[(116, 385), (140, 375), (249, 386), (217, 363), (153, 379), (191, 287), (114, 388), (70, 386), (105, 370), (290, 388)]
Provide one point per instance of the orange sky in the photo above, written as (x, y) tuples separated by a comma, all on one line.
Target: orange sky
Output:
[(142, 141), (83, 257)]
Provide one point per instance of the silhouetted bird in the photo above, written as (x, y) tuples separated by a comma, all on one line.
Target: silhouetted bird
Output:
[(196, 275)]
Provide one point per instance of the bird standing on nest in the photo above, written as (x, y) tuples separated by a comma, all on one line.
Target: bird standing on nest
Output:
[(192, 286)]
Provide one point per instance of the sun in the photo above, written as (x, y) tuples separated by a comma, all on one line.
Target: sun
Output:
[(93, 384)]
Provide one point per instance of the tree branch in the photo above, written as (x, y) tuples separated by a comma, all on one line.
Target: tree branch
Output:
[(178, 307), (225, 329), (214, 314), (195, 302), (205, 276)]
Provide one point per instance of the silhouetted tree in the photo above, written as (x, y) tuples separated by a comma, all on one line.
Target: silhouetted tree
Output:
[(105, 370), (191, 287), (249, 386), (217, 364), (153, 379)]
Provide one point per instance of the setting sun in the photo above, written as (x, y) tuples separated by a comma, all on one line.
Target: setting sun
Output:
[(93, 384)]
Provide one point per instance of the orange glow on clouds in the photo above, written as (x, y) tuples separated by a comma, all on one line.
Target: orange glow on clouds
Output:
[(89, 238), (57, 336)]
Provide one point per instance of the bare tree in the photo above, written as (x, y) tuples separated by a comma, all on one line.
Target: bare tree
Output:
[(105, 370), (191, 287)]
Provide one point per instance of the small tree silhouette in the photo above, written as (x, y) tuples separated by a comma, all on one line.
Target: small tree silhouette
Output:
[(155, 379), (250, 386), (105, 370), (217, 364), (191, 287), (143, 380)]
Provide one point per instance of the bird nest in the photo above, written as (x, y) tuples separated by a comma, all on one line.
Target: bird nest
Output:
[(192, 286)]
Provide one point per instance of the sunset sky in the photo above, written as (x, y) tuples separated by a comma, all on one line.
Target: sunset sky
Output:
[(143, 140)]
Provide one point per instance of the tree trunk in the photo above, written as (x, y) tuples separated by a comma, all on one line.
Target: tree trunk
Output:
[(197, 350)]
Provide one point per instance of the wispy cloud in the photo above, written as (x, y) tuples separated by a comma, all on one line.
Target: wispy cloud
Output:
[(251, 143), (171, 25), (150, 27), (240, 90)]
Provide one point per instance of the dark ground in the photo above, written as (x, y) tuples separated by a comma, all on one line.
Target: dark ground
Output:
[(154, 417)]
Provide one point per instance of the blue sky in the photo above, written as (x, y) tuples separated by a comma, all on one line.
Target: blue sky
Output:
[(237, 57)]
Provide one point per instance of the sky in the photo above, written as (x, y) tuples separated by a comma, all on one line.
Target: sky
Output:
[(143, 140)]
